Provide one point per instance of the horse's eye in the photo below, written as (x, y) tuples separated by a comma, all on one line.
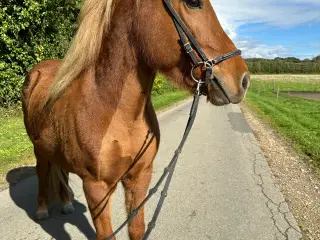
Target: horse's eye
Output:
[(195, 4)]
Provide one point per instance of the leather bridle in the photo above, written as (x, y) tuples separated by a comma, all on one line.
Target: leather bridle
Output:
[(202, 61), (206, 64)]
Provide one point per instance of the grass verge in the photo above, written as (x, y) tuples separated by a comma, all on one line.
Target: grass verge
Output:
[(16, 149), (164, 101), (295, 118)]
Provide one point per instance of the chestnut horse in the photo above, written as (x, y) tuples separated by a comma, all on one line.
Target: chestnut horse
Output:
[(91, 114)]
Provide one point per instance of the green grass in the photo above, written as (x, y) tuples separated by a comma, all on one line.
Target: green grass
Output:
[(15, 147), (296, 118), (165, 100), (287, 82)]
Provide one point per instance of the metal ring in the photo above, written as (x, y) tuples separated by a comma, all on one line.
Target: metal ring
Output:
[(209, 63), (200, 64), (194, 67)]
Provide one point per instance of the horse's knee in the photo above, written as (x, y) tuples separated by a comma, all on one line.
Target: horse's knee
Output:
[(98, 198), (136, 231), (137, 226)]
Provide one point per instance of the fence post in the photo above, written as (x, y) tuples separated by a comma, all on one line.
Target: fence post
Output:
[(278, 92), (274, 84)]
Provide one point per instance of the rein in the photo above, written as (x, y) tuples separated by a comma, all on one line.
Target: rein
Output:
[(206, 64)]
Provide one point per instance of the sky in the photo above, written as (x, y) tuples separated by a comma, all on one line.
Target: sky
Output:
[(272, 28)]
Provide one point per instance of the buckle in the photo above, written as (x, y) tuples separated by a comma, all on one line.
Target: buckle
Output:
[(188, 47)]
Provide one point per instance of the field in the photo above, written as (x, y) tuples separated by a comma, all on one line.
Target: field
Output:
[(16, 149), (295, 118)]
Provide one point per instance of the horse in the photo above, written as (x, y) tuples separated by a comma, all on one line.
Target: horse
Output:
[(91, 114)]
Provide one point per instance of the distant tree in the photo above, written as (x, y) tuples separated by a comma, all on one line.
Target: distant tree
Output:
[(316, 59), (292, 59), (284, 65)]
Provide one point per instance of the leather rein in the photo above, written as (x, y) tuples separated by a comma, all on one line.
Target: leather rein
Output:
[(206, 64)]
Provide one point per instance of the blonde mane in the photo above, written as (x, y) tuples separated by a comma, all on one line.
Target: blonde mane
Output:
[(94, 21)]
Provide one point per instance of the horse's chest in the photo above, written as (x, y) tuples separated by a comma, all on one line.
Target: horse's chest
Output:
[(126, 149)]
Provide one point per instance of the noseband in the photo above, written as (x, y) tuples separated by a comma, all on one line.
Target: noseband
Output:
[(189, 47)]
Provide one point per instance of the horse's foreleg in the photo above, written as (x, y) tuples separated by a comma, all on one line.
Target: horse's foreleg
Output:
[(42, 172), (98, 195), (135, 191)]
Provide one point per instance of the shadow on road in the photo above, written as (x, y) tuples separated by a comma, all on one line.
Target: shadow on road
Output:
[(238, 122), (24, 195)]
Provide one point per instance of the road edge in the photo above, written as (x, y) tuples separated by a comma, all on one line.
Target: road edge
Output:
[(296, 180)]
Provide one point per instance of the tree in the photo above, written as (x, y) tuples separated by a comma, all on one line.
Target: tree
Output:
[(284, 65), (316, 59)]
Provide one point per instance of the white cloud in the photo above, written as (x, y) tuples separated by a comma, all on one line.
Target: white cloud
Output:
[(285, 14), (254, 49)]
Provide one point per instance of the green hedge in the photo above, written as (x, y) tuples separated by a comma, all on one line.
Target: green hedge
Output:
[(31, 31), (284, 66), (35, 30)]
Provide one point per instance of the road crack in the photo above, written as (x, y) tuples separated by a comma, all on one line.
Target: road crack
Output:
[(275, 202)]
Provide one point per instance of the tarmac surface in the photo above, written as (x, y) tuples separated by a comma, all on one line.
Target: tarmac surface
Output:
[(222, 189)]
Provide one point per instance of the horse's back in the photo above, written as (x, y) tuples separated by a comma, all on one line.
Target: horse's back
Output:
[(42, 74)]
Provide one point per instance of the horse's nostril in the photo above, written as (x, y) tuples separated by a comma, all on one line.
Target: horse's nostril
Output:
[(245, 82)]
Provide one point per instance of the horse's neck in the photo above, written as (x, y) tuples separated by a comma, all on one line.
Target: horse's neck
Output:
[(121, 79)]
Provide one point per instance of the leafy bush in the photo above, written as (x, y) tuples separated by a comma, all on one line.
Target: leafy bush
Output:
[(31, 31), (35, 30), (161, 86)]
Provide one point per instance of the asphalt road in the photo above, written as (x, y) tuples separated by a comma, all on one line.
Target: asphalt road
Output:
[(222, 189)]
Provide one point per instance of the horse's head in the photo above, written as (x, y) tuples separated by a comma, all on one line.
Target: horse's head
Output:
[(161, 47)]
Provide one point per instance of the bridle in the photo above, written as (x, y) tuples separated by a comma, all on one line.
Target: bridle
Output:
[(190, 47), (206, 64)]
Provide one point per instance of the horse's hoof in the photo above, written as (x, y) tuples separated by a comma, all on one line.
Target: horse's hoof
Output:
[(67, 209), (42, 215)]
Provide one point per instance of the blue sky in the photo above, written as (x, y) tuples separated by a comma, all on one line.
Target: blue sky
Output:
[(272, 28)]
